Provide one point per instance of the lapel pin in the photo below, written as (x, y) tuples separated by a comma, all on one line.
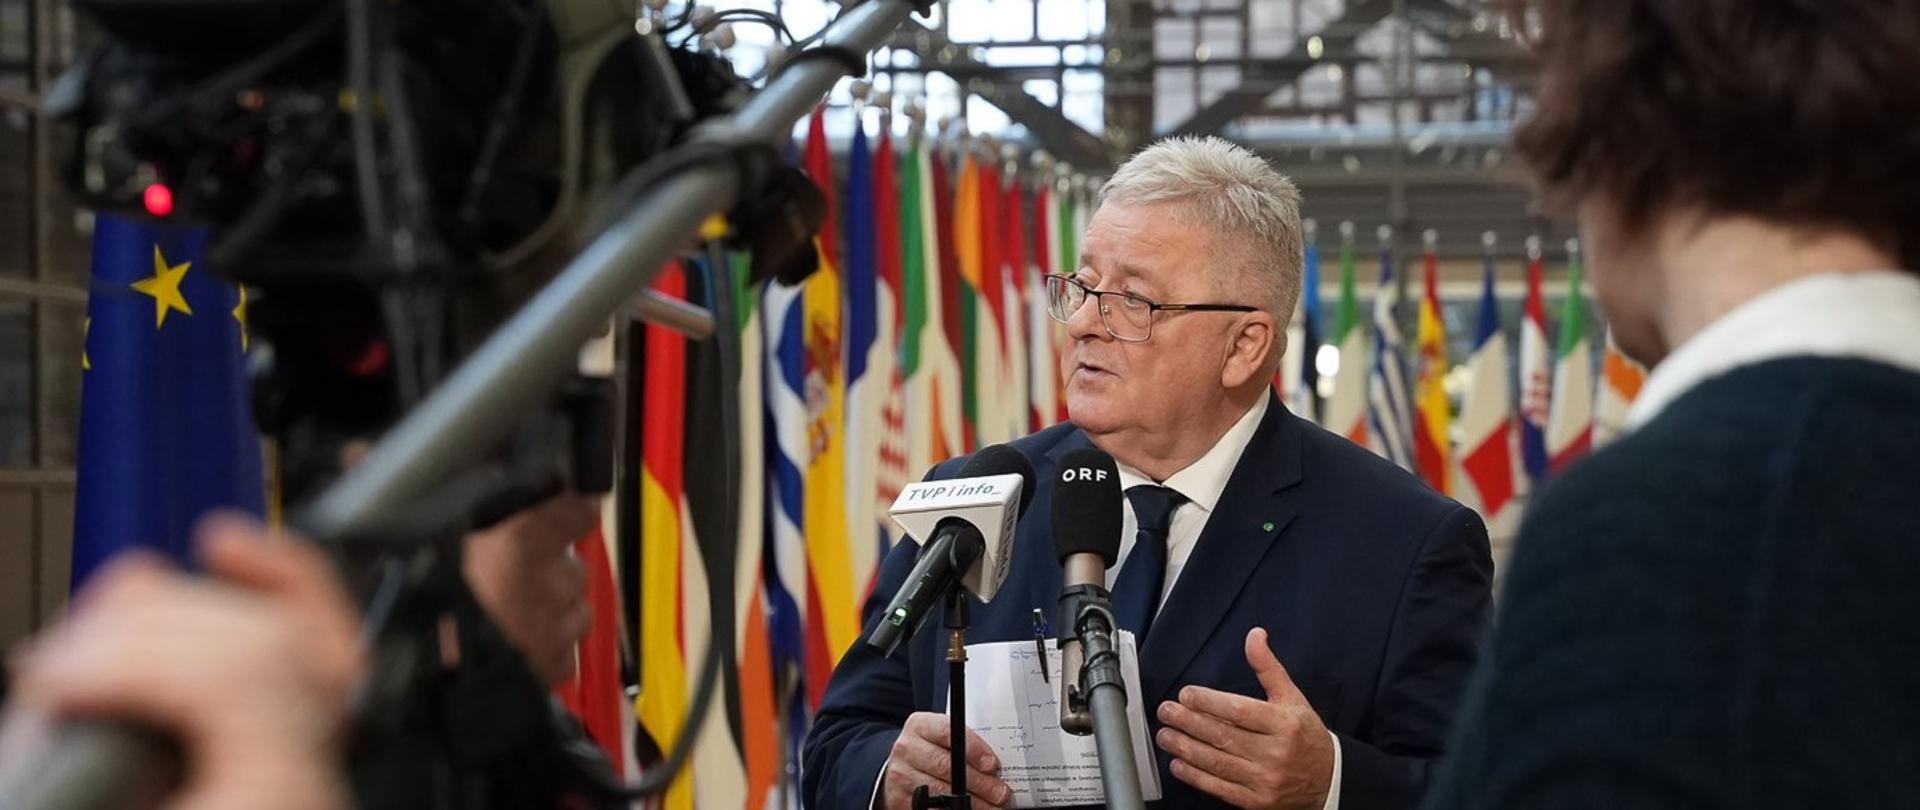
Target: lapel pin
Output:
[(1267, 526)]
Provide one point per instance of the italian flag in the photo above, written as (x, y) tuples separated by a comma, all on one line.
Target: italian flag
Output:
[(1347, 408), (1570, 421)]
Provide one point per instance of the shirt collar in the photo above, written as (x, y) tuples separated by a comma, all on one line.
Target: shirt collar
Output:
[(1202, 481), (1869, 316)]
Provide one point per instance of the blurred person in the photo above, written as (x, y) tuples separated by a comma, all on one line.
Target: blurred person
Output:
[(1718, 610), (249, 669)]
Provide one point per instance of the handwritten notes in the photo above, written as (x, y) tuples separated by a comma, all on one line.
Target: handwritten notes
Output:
[(1018, 713)]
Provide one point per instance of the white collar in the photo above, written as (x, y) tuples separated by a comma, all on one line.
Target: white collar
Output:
[(1202, 481), (1869, 316)]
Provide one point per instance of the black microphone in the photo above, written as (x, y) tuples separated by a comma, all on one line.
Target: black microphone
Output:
[(1086, 537), (971, 541), (1093, 692)]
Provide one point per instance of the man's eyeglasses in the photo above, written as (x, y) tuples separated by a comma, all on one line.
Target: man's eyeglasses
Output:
[(1126, 316)]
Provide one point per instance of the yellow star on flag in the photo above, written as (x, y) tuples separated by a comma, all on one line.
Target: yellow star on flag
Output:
[(164, 287), (240, 314), (86, 331)]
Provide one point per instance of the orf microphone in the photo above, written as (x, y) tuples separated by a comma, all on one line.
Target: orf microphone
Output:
[(1086, 537), (965, 529), (1093, 691)]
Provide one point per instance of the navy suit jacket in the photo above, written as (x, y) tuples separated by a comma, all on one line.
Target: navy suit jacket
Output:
[(1374, 590)]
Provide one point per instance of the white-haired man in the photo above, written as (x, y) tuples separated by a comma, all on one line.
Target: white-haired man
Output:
[(1309, 611)]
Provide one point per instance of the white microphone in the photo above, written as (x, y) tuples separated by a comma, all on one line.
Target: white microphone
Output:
[(965, 528)]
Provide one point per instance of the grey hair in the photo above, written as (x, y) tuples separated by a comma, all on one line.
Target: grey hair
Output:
[(1234, 191)]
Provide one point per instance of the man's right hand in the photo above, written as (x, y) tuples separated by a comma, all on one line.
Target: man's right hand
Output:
[(919, 757)]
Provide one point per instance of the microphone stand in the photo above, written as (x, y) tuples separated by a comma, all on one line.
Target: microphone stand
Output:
[(957, 621), (1101, 690)]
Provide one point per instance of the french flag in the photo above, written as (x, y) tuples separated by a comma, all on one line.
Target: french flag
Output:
[(1486, 450)]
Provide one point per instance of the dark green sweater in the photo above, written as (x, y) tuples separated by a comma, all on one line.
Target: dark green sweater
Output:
[(1721, 610)]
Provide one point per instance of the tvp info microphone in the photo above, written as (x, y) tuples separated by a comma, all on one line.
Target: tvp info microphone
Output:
[(965, 528)]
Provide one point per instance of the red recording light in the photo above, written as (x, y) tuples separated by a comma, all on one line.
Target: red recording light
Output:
[(373, 359), (159, 199)]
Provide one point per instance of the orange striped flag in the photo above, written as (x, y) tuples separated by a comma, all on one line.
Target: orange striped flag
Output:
[(1619, 384)]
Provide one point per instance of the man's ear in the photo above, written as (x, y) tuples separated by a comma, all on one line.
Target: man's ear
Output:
[(1255, 339)]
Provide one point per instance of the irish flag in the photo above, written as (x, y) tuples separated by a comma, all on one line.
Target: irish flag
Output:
[(1619, 383)]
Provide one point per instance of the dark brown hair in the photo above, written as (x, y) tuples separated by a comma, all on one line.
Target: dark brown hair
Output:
[(1799, 112)]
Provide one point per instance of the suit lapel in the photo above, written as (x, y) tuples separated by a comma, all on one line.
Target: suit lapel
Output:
[(1243, 528)]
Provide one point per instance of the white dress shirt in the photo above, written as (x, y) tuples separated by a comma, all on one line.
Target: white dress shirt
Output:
[(1866, 316), (1201, 484)]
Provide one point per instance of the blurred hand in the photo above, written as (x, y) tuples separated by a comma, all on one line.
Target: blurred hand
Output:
[(919, 757), (524, 572), (249, 669)]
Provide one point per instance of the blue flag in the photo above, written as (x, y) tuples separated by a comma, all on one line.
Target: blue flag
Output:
[(166, 434)]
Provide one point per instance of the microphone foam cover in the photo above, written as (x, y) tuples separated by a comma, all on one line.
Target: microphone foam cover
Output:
[(1000, 459), (1086, 505)]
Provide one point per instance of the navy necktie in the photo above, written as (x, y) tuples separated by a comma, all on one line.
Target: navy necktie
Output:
[(1136, 592)]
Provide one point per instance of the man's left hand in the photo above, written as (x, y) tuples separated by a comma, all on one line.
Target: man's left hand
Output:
[(1251, 753)]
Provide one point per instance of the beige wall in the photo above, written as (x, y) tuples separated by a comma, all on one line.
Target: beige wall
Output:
[(43, 263), (36, 544)]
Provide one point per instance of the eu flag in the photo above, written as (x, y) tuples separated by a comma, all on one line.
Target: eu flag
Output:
[(165, 430)]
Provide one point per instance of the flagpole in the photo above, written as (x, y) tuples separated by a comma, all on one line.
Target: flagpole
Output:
[(520, 364)]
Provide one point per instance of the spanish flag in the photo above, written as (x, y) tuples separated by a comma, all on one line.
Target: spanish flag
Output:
[(1433, 414), (833, 619)]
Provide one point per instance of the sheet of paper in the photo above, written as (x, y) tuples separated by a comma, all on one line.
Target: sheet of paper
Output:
[(1018, 713)]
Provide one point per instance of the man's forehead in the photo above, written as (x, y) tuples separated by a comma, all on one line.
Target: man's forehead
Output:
[(1115, 265)]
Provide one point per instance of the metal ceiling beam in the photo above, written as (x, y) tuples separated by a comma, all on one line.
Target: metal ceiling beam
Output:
[(1127, 117), (1453, 27), (1065, 139), (1338, 36), (1267, 66)]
